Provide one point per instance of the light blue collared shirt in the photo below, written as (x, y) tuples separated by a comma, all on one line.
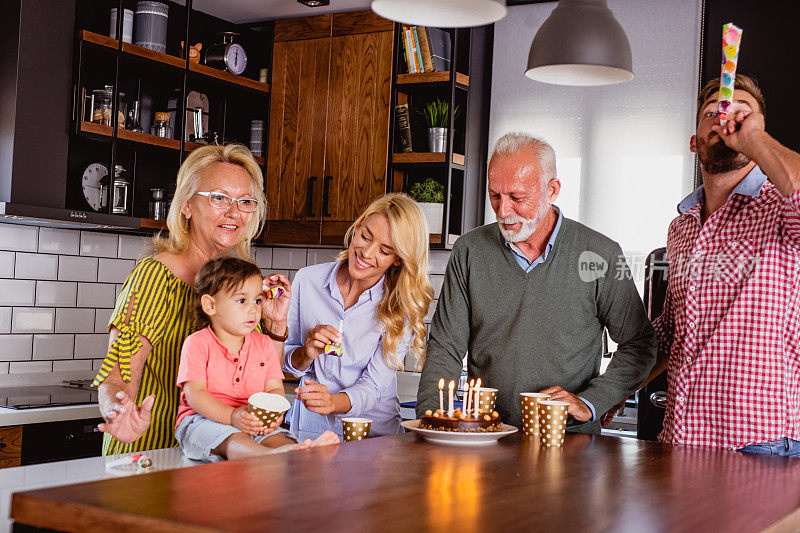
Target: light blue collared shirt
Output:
[(750, 185), (527, 265), (361, 372)]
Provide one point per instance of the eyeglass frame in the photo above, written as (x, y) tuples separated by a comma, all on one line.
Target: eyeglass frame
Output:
[(208, 194)]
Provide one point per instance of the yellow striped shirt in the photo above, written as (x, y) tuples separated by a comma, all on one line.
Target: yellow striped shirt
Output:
[(157, 305)]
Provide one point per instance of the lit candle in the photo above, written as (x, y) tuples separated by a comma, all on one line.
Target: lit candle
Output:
[(441, 395), (451, 386), (477, 397), (468, 398), (464, 400)]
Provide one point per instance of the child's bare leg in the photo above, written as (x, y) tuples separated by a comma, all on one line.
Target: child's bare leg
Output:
[(239, 445), (281, 443), (326, 439)]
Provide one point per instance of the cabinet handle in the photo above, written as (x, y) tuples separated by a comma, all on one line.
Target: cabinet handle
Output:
[(310, 196), (326, 185)]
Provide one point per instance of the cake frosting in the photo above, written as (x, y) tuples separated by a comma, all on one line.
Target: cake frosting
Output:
[(458, 422)]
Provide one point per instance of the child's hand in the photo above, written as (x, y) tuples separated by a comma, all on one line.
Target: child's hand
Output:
[(246, 421)]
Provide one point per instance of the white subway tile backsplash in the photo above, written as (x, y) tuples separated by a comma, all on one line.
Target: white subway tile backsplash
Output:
[(32, 320), (5, 319), (53, 347), (3, 368), (101, 318), (77, 268), (18, 238), (96, 294), (117, 290), (56, 293), (17, 292), (59, 241), (264, 257), (74, 320), (114, 270), (96, 364), (72, 366), (132, 246), (16, 347), (99, 244), (431, 311), (30, 367), (270, 271), (321, 255), (91, 346), (437, 261), (6, 264), (36, 266), (289, 258)]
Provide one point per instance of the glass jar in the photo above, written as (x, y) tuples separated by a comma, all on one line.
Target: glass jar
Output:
[(101, 112), (161, 127), (158, 206)]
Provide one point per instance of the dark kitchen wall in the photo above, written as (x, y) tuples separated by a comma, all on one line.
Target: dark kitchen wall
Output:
[(769, 41)]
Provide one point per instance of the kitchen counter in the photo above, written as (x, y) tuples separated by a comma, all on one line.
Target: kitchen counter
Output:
[(76, 471), (18, 417), (401, 483)]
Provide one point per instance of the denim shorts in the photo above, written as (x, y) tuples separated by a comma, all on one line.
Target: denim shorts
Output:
[(198, 435), (783, 446)]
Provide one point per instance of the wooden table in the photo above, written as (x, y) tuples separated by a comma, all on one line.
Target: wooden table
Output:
[(403, 484)]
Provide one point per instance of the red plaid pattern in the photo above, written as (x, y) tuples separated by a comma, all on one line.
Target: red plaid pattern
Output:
[(731, 323)]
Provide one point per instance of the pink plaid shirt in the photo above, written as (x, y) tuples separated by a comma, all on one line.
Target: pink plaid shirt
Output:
[(731, 320)]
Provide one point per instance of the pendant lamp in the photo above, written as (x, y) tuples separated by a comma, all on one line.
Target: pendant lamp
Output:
[(580, 43), (441, 13)]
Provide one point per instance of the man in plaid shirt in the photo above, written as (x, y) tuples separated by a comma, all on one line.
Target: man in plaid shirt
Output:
[(729, 335)]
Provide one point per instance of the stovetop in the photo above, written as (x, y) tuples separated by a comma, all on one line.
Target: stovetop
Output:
[(35, 397)]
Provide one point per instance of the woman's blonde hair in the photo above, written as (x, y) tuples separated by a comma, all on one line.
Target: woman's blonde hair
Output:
[(188, 184), (407, 289)]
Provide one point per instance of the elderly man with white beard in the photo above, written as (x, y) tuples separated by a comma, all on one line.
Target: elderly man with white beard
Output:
[(527, 300)]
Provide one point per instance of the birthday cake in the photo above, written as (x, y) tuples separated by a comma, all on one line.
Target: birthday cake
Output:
[(483, 422)]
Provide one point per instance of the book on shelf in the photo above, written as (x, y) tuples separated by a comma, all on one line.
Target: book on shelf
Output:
[(413, 66), (439, 45), (418, 49), (406, 48), (403, 120), (425, 49)]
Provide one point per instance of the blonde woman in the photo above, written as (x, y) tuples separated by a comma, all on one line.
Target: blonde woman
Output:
[(218, 206), (379, 290)]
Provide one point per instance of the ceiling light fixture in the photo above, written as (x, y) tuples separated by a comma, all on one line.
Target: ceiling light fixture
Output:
[(441, 13), (580, 43), (315, 3)]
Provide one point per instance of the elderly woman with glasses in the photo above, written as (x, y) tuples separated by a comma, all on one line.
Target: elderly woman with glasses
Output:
[(218, 206)]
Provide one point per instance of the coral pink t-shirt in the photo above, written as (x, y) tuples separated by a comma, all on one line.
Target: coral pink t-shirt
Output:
[(230, 377)]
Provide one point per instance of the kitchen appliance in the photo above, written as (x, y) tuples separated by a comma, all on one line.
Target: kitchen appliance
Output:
[(653, 397), (227, 55), (196, 122), (91, 185), (37, 397), (151, 25)]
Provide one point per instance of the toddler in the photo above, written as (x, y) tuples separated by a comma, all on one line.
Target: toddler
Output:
[(225, 362)]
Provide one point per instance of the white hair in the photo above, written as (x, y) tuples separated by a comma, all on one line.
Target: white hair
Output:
[(515, 142)]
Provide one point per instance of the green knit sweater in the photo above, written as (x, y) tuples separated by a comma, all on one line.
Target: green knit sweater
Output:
[(526, 332)]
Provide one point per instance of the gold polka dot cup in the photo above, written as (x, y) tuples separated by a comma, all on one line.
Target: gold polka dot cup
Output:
[(530, 412), (487, 398), (552, 422), (267, 407), (355, 428)]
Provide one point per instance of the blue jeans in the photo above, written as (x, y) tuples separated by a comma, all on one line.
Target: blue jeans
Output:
[(783, 446)]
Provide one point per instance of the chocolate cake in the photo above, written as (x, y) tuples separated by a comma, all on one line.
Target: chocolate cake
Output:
[(439, 421)]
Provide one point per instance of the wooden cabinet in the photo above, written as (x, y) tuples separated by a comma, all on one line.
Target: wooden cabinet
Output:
[(10, 446), (329, 124)]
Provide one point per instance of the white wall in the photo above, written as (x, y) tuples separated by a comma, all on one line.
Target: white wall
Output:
[(622, 150)]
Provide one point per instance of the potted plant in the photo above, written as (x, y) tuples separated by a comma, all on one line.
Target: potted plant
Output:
[(437, 114), (429, 194)]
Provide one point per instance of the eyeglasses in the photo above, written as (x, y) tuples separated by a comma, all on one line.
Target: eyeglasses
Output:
[(223, 201)]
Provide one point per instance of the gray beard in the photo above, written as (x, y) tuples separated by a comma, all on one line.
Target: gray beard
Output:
[(528, 225)]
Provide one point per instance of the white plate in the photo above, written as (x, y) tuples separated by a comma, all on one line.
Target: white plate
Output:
[(458, 438)]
